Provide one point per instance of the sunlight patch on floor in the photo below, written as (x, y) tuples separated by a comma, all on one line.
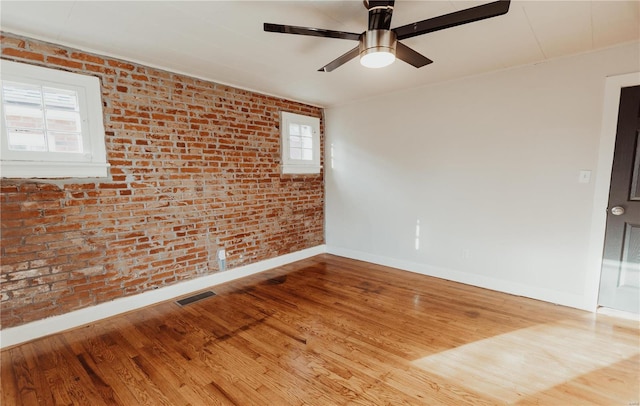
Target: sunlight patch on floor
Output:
[(521, 363)]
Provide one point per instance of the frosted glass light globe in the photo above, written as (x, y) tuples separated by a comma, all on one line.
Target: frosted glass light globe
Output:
[(378, 59)]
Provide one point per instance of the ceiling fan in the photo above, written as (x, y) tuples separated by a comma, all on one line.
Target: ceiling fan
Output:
[(379, 45)]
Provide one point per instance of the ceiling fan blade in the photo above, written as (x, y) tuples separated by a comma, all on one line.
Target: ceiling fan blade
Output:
[(453, 19), (380, 12), (314, 32), (340, 60), (410, 56)]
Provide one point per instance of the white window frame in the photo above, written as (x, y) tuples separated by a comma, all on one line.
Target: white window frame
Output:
[(299, 166), (92, 162)]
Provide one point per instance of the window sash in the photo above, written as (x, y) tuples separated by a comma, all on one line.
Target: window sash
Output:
[(300, 143), (72, 115), (50, 154)]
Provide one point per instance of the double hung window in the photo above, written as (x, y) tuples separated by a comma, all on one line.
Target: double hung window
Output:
[(51, 123), (300, 143)]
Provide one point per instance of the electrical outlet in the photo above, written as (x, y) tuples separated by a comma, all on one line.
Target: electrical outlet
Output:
[(222, 260)]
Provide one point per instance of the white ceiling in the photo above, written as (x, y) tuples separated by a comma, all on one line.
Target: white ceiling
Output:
[(223, 41)]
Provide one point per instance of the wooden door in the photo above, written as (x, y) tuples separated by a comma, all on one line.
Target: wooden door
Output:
[(620, 278)]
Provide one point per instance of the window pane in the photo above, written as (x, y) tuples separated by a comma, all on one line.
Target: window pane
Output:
[(295, 142), (26, 140), (307, 143), (305, 130), (65, 142), (23, 117), (294, 129), (307, 154), (60, 99), (21, 94), (58, 120), (295, 153)]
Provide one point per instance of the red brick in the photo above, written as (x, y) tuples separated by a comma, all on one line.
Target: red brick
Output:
[(87, 57), (47, 48), (98, 69), (64, 62), (12, 41), (188, 173), (121, 65), (30, 273), (19, 53)]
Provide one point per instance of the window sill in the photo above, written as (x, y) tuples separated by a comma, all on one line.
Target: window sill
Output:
[(49, 170), (301, 169)]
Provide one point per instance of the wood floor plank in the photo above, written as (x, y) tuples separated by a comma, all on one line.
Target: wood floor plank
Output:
[(330, 330), (41, 386), (22, 383), (9, 373)]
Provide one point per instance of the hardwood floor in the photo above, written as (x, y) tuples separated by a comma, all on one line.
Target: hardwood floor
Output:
[(332, 331)]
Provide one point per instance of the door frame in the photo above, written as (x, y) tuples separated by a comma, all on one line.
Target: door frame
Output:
[(612, 88)]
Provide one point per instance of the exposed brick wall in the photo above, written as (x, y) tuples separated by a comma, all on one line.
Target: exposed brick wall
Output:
[(194, 167)]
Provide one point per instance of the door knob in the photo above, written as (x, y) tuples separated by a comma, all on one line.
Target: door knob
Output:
[(617, 211)]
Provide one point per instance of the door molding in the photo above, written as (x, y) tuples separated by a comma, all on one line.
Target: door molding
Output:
[(613, 85)]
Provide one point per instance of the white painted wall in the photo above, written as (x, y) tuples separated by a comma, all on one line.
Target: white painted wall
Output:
[(489, 167)]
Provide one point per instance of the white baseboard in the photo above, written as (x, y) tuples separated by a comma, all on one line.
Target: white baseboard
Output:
[(500, 285), (621, 314), (40, 328)]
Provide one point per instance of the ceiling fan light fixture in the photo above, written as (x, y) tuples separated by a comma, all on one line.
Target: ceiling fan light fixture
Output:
[(378, 48), (377, 59)]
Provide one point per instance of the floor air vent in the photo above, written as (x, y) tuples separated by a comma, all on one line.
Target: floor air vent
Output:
[(195, 298)]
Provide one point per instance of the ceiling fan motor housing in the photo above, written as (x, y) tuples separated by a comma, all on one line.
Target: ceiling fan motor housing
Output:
[(374, 41)]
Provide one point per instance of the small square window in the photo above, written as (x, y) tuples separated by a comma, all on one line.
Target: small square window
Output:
[(300, 143), (51, 123)]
